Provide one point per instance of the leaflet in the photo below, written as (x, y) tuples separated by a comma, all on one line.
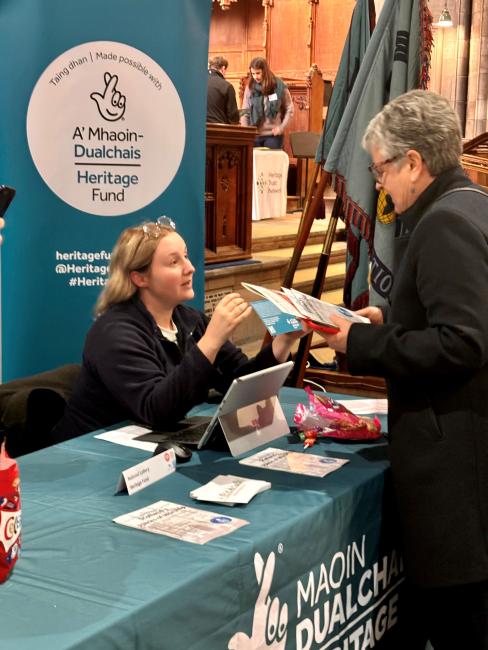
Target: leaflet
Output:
[(316, 313), (127, 436), (276, 321), (229, 489), (294, 462), (181, 522)]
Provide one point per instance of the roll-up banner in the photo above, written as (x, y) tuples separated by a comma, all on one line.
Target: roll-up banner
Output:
[(102, 126)]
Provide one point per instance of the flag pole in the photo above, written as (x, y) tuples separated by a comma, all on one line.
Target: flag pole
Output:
[(314, 195), (300, 362), (310, 210)]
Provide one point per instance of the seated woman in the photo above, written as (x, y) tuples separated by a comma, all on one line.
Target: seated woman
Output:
[(148, 357)]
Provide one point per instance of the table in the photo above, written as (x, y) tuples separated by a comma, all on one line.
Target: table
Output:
[(321, 547), (269, 183)]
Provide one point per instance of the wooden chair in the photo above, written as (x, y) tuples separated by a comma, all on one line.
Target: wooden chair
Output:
[(303, 145)]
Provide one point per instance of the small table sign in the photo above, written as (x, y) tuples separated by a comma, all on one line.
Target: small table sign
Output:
[(139, 476)]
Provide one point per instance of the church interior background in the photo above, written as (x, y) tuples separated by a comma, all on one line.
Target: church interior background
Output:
[(302, 41)]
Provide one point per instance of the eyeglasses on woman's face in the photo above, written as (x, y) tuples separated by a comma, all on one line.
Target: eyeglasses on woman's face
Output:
[(378, 169)]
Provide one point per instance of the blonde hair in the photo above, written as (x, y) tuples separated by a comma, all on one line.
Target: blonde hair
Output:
[(133, 251)]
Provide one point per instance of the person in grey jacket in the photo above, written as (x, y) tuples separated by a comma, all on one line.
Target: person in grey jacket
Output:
[(431, 345), (267, 104), (148, 357)]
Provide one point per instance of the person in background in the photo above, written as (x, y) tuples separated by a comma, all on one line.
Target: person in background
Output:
[(2, 224), (221, 96), (431, 345), (149, 358), (267, 104)]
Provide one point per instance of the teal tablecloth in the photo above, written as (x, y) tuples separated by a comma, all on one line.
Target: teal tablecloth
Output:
[(84, 582)]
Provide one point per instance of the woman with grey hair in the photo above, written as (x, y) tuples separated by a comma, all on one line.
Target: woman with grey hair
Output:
[(431, 345)]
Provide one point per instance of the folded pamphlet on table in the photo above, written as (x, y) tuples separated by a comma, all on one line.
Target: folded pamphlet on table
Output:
[(181, 522), (229, 489), (285, 308), (294, 461)]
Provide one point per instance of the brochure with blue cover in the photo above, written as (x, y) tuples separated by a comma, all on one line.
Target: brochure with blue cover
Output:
[(275, 320), (314, 312)]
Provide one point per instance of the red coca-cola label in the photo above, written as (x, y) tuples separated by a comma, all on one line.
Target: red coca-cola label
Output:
[(10, 514)]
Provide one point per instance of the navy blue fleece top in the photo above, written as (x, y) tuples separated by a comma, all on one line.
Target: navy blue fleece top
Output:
[(131, 372)]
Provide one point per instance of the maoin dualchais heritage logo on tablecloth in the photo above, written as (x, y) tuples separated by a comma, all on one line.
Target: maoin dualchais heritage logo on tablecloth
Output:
[(106, 128), (345, 603)]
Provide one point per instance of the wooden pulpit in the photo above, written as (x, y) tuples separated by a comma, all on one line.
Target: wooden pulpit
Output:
[(228, 192)]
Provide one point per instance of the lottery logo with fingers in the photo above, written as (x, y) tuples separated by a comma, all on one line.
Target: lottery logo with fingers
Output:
[(110, 103), (345, 599), (270, 622)]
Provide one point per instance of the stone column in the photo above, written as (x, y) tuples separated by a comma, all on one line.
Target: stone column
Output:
[(450, 56), (463, 35), (476, 114)]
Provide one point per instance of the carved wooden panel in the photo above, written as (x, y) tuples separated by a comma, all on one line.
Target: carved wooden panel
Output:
[(228, 192), (475, 159), (330, 32), (307, 95), (288, 52), (237, 34), (291, 34)]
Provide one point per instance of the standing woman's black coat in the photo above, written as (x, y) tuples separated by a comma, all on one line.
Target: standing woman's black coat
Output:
[(433, 351)]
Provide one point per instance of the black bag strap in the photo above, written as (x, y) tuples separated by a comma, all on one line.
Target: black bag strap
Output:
[(463, 189)]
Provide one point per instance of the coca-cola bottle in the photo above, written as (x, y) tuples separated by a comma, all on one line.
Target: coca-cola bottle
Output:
[(10, 513)]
